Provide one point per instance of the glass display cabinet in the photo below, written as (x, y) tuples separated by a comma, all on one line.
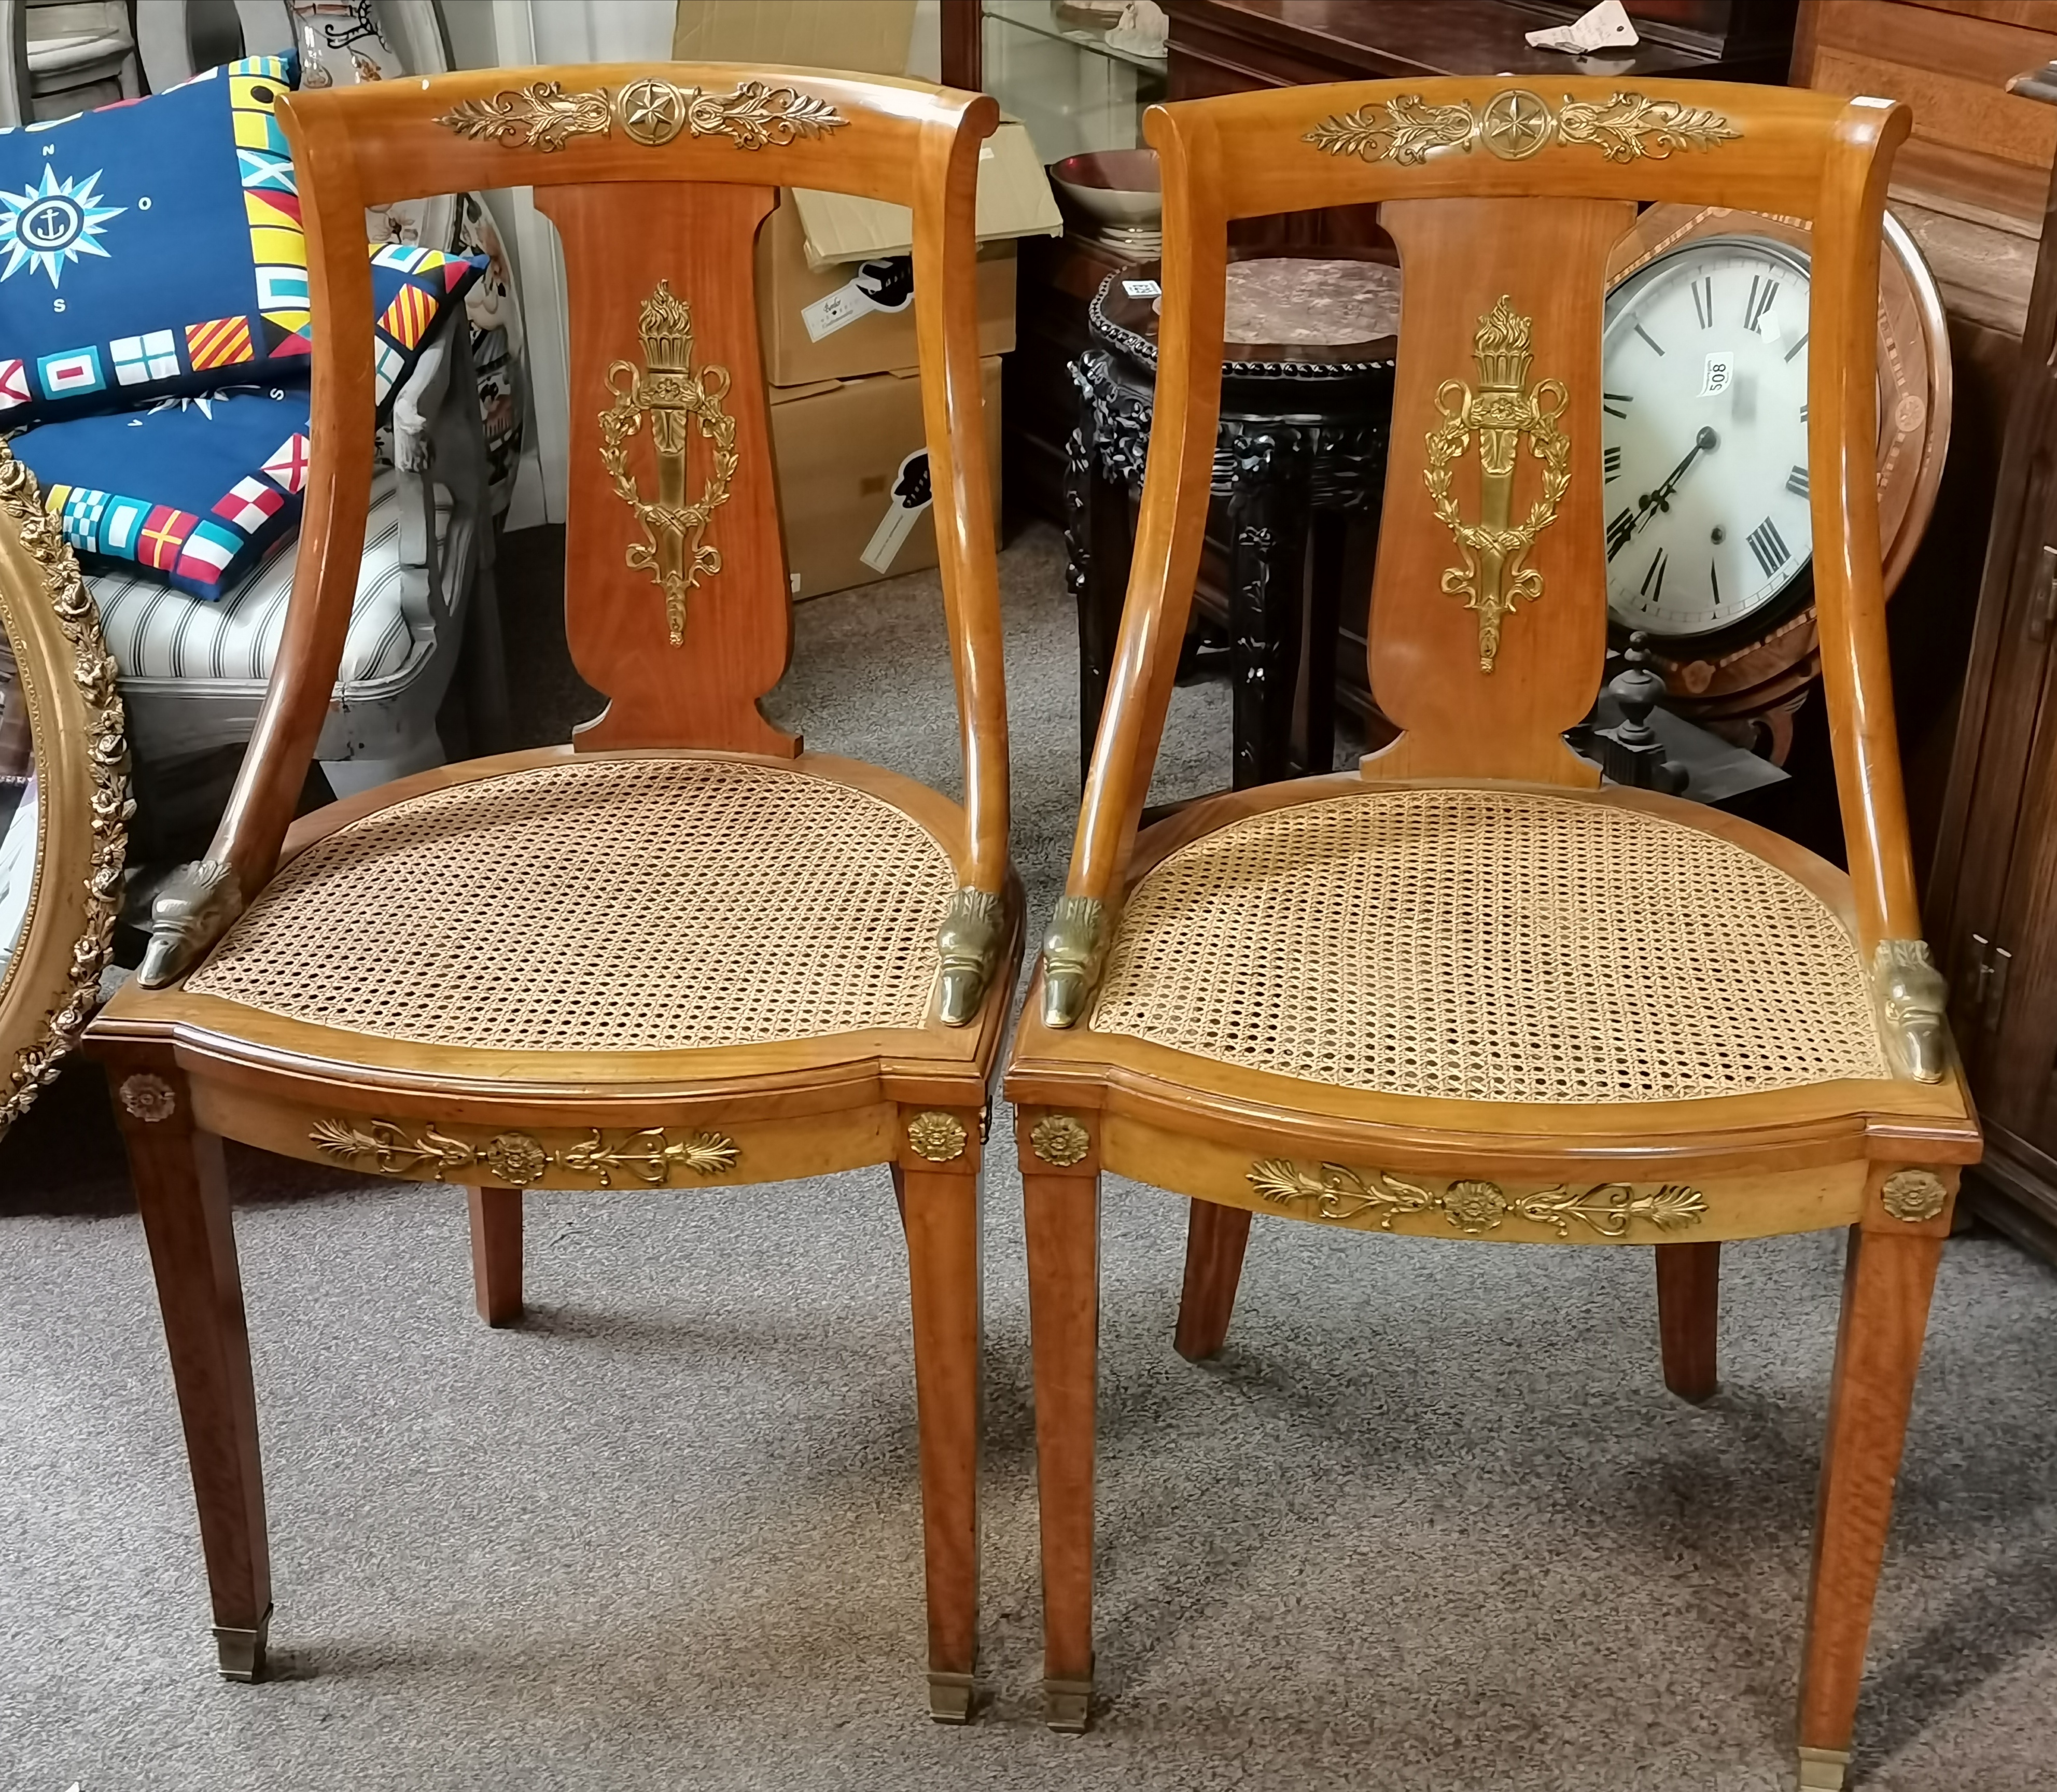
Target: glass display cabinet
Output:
[(1049, 64)]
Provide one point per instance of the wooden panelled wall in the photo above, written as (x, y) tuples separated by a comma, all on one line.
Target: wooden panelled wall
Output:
[(1976, 148)]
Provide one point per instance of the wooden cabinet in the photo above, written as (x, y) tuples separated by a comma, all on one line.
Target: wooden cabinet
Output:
[(1992, 895), (1226, 46)]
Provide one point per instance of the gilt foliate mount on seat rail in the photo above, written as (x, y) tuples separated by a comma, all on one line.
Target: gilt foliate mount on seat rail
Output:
[(651, 111), (1343, 1196), (425, 1152), (1516, 124)]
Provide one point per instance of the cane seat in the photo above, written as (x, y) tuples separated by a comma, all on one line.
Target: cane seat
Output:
[(647, 903), (1491, 944)]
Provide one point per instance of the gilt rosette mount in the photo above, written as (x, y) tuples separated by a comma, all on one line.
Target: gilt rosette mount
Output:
[(668, 394), (1516, 124), (1503, 412), (425, 1152), (650, 111), (1343, 1196)]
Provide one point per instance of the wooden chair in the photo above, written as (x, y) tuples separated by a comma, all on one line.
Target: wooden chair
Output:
[(679, 952), (1470, 992)]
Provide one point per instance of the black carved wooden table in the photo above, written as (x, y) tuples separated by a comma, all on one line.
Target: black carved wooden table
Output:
[(1299, 461)]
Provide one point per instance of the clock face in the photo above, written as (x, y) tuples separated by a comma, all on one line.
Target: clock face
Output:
[(1703, 433)]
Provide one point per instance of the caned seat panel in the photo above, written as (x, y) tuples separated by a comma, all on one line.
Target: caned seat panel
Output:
[(1490, 945), (647, 903)]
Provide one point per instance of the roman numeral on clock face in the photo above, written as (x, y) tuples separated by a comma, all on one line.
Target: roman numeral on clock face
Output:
[(1620, 527), (1616, 404), (1796, 481), (1611, 464), (1703, 301), (1770, 546), (1761, 292), (1653, 580)]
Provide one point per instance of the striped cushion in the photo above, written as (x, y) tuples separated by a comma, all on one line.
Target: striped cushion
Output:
[(155, 632)]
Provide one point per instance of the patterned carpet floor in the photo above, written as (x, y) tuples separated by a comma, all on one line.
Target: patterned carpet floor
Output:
[(1431, 1524)]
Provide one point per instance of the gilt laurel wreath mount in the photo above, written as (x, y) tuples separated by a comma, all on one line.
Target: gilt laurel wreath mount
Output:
[(650, 111), (1503, 410), (1516, 124), (1338, 1194), (668, 394)]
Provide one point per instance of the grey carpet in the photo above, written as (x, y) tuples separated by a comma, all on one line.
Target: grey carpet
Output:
[(1430, 1522)]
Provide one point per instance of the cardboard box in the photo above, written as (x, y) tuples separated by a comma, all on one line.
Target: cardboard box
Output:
[(834, 282), (851, 482), (1014, 199), (855, 318)]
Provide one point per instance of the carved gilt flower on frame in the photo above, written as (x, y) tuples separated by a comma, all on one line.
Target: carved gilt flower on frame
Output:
[(517, 1158), (1475, 1207)]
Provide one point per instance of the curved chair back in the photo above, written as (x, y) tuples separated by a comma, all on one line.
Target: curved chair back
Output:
[(657, 176), (1489, 606)]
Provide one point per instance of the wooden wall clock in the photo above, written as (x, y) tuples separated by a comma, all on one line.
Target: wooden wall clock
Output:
[(1704, 442)]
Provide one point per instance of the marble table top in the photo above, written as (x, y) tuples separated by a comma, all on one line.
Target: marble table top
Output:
[(1289, 302)]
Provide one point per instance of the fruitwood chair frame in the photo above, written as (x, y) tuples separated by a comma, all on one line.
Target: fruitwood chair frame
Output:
[(657, 176), (1504, 201)]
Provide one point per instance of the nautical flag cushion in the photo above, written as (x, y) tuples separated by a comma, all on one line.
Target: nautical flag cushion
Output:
[(194, 489), (151, 247), (154, 247), (413, 290)]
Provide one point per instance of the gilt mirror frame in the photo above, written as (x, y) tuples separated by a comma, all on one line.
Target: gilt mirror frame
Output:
[(49, 978)]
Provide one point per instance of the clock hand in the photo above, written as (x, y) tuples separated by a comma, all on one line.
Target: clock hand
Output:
[(1651, 503)]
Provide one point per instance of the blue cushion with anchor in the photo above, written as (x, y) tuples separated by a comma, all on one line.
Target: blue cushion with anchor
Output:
[(152, 248)]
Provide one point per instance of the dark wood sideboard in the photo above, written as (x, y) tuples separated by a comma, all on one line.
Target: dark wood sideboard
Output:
[(1992, 899)]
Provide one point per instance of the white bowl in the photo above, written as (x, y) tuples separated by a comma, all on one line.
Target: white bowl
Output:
[(1117, 186)]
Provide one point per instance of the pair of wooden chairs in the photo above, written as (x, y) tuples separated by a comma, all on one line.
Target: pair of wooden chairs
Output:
[(1469, 993)]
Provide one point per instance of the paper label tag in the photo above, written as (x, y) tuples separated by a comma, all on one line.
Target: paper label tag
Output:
[(911, 496), (1143, 289), (1720, 370), (829, 314), (885, 285)]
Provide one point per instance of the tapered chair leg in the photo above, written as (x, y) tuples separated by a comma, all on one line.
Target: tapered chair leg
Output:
[(182, 1190), (1064, 1313), (496, 1253), (940, 1211), (1886, 1289), (1689, 1290), (1216, 1236)]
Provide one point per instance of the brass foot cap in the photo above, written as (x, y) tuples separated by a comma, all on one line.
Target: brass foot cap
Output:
[(1824, 1769), (240, 1653), (1066, 1704), (950, 1697)]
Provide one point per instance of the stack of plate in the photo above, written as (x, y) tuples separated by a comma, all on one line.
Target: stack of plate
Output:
[(1117, 195)]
